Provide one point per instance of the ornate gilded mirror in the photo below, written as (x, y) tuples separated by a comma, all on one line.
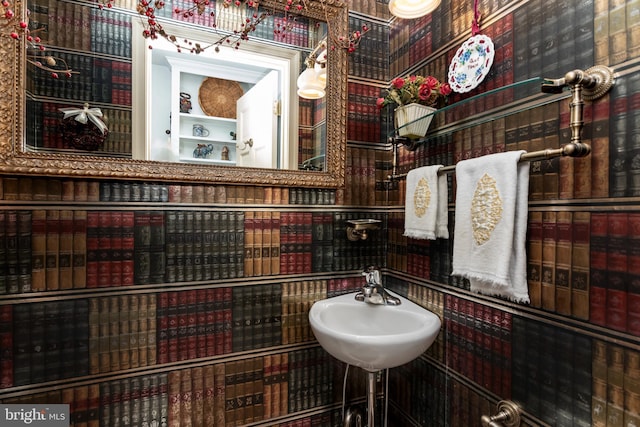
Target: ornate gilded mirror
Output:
[(17, 156)]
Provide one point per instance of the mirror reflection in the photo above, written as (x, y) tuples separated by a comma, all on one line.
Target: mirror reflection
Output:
[(234, 107), (226, 107)]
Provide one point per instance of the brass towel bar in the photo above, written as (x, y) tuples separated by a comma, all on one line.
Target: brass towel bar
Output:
[(569, 150)]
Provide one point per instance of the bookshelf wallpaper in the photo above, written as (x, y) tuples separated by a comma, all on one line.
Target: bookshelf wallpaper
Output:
[(187, 304), (568, 358)]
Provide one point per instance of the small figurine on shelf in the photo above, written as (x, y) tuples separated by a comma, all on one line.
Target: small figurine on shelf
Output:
[(202, 151), (225, 153), (185, 102)]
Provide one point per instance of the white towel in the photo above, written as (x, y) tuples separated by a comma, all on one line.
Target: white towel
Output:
[(491, 224), (425, 214)]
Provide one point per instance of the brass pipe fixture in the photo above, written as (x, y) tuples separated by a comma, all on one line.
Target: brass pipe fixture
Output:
[(590, 85), (508, 416)]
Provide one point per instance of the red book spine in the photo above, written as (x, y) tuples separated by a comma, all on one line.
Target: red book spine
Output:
[(163, 328), (104, 249), (505, 343), (308, 241), (211, 323), (52, 270), (116, 248), (192, 322), (617, 245), (598, 288), (172, 314), (6, 342), (128, 246), (201, 323), (284, 240), (633, 304), (228, 320), (182, 318), (93, 223), (219, 320), (79, 249)]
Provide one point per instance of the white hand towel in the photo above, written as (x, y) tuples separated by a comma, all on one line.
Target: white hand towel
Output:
[(426, 202), (491, 224)]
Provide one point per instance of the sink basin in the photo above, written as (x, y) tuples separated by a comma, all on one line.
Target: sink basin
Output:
[(373, 337)]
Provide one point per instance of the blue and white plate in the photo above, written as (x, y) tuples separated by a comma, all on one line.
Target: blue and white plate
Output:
[(471, 64)]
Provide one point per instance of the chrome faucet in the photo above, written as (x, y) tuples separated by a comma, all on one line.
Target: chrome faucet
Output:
[(373, 292)]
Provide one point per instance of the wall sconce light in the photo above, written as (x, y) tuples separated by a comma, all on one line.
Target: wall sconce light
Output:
[(321, 67), (358, 229), (313, 80), (410, 9)]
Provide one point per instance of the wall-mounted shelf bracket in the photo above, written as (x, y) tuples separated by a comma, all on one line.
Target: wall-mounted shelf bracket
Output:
[(588, 85)]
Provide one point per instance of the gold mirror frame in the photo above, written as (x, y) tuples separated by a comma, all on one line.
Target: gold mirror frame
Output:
[(15, 159)]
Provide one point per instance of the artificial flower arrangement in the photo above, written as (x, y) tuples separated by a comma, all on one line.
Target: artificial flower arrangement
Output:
[(427, 91)]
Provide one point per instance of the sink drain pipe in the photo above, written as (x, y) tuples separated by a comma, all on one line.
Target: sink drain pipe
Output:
[(354, 414)]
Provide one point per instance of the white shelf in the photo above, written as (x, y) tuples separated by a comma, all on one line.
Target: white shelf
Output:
[(207, 161), (209, 139), (205, 117)]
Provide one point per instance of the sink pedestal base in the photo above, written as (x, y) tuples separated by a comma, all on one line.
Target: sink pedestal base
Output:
[(371, 399), (353, 418)]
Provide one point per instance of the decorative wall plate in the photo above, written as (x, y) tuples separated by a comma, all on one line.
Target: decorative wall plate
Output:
[(471, 63)]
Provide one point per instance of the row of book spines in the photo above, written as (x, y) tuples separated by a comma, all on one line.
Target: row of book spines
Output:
[(49, 189), (49, 342), (360, 176), (297, 299), (81, 27), (310, 379), (309, 112), (418, 381), (581, 263), (616, 32), (479, 343), (232, 393), (122, 332), (551, 371), (364, 118), (558, 264), (69, 249), (257, 317), (616, 384), (614, 292), (298, 32), (194, 324), (428, 259), (196, 396), (262, 243), (99, 80), (371, 59)]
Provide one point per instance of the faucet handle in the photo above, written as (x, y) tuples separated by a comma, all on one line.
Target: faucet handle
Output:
[(369, 269), (372, 274)]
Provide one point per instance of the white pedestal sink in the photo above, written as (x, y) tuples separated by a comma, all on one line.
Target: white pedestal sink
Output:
[(373, 337)]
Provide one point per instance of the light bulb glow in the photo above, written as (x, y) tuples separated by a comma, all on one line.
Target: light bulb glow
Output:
[(410, 9)]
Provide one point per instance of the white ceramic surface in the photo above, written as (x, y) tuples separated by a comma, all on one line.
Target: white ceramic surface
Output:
[(373, 337)]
